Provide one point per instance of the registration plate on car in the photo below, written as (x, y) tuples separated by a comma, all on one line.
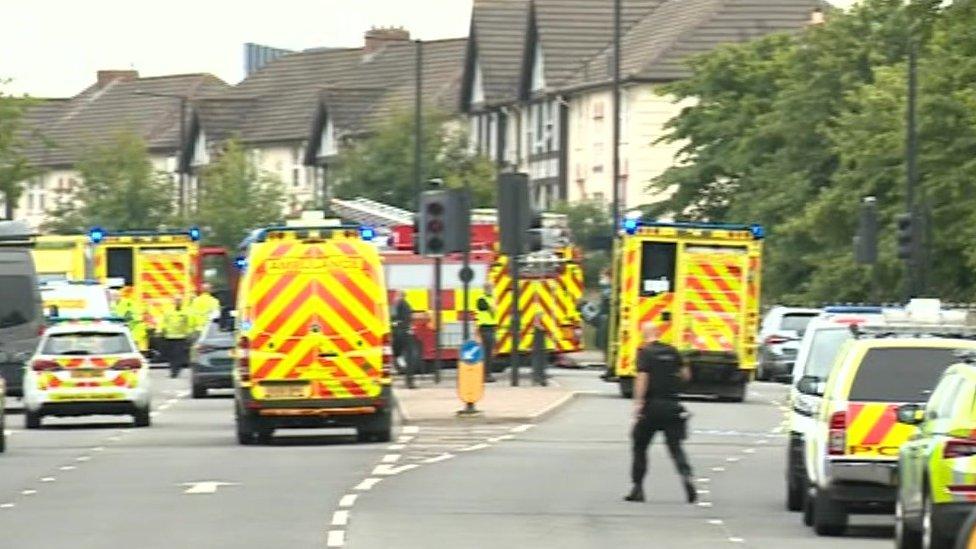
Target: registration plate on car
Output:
[(286, 390), (85, 374)]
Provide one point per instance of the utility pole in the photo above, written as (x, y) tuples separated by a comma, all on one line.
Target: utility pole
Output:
[(913, 263), (615, 210), (418, 121)]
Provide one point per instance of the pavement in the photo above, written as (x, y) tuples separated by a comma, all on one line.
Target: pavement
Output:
[(555, 481)]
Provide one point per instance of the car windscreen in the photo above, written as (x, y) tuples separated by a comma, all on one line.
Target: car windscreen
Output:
[(900, 374), (796, 322), (87, 343), (17, 301), (824, 347)]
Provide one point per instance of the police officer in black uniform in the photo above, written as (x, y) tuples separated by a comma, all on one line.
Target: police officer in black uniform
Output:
[(660, 372)]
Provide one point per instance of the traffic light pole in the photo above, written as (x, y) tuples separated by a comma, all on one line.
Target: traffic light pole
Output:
[(437, 319), (516, 327)]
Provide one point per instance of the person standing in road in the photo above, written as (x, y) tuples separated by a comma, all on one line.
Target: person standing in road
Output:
[(402, 316), (487, 322), (660, 372), (203, 308), (177, 326)]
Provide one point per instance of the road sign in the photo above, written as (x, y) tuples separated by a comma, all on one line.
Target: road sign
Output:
[(471, 373)]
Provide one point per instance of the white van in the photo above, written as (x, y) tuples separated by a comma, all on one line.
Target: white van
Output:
[(64, 299)]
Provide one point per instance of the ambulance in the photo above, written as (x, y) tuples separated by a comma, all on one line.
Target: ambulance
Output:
[(313, 334), (59, 257), (699, 284)]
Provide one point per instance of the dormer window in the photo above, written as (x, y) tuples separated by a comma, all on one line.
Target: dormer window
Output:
[(538, 70), (327, 142), (200, 155), (477, 86)]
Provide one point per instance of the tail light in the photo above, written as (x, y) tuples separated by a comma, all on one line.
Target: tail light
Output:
[(243, 356), (774, 340), (837, 439), (127, 364), (387, 354), (45, 365), (41, 329), (957, 448)]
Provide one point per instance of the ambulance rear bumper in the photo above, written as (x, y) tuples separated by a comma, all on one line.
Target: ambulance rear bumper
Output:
[(317, 407)]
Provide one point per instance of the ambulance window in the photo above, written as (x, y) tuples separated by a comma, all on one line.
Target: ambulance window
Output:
[(900, 374), (120, 264), (657, 268)]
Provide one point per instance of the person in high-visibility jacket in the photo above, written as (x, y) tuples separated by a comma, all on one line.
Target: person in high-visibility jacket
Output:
[(177, 327), (487, 321), (131, 310), (203, 307)]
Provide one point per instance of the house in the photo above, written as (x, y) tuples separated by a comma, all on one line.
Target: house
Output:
[(119, 101), (538, 76), (296, 112)]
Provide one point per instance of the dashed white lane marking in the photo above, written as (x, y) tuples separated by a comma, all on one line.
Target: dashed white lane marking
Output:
[(716, 522), (732, 459), (481, 446), (704, 479), (348, 500), (340, 518), (506, 437), (438, 459), (522, 428), (83, 458), (337, 538), (704, 492), (396, 447), (163, 407), (388, 470), (410, 429), (98, 449), (29, 492), (48, 479), (762, 441), (67, 468), (405, 439), (704, 504), (114, 439), (367, 484), (736, 540), (6, 505), (749, 451), (718, 469), (391, 458), (172, 401)]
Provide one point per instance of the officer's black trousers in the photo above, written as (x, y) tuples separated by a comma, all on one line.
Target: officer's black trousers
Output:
[(643, 434), (487, 333)]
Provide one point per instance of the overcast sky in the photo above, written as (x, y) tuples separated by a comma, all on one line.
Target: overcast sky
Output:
[(52, 48)]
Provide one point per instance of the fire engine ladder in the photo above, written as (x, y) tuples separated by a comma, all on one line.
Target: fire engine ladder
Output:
[(370, 212)]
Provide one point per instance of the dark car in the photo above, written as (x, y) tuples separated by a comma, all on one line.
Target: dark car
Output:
[(211, 363), (21, 318)]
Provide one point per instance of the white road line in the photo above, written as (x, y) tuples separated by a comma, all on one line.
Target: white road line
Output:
[(718, 469), (48, 479), (182, 394), (172, 401), (163, 407), (114, 439), (704, 479), (505, 437), (29, 492), (340, 518), (410, 429), (337, 538), (98, 449), (762, 441), (348, 500), (387, 470), (367, 484), (716, 522), (6, 505), (732, 459), (703, 492), (67, 468), (522, 428), (153, 414), (737, 540), (481, 446), (705, 504), (404, 439), (396, 447), (438, 459), (749, 451), (391, 458), (83, 458)]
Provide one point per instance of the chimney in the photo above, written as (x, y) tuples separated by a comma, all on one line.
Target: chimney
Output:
[(377, 37), (816, 17), (107, 77)]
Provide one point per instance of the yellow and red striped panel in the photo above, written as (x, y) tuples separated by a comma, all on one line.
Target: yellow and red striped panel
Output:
[(873, 430), (713, 302), (124, 378), (317, 313)]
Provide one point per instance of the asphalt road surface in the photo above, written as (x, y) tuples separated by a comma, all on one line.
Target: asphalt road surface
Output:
[(184, 482)]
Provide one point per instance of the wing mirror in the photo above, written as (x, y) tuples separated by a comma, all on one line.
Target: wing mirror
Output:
[(811, 385), (911, 414)]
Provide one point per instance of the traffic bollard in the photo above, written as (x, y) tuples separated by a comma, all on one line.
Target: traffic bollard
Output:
[(539, 356)]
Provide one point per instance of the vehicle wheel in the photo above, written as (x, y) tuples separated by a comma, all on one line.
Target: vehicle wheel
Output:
[(245, 428), (829, 516), (807, 509), (626, 387), (761, 371), (736, 393), (795, 489), (930, 538), (3, 426), (142, 418), (377, 429), (198, 391), (265, 435), (906, 537), (32, 420)]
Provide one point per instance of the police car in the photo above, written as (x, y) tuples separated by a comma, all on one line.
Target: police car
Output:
[(86, 367)]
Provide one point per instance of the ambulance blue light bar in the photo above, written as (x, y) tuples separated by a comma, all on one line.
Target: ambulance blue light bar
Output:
[(631, 224), (367, 233), (240, 263), (854, 309), (195, 234), (96, 235)]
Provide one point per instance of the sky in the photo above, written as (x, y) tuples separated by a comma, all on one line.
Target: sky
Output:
[(57, 56), (52, 48)]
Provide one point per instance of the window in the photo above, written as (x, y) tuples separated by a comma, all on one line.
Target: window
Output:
[(900, 374), (796, 322), (296, 167), (657, 268), (538, 69), (826, 344), (945, 396), (17, 300), (90, 343)]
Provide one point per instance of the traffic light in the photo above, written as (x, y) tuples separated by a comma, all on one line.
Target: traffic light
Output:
[(907, 236), (535, 239), (444, 222), (514, 212)]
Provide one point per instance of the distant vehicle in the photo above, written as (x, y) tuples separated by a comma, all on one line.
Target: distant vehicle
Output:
[(937, 468), (779, 341), (211, 360), (87, 368), (21, 318), (83, 299), (62, 257), (853, 451)]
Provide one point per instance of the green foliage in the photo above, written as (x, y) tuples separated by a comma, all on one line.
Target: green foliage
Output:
[(235, 196), (119, 190), (381, 166), (792, 131), (15, 170), (591, 227)]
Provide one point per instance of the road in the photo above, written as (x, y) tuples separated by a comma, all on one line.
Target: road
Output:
[(100, 483)]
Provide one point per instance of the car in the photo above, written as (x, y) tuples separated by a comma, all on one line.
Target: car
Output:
[(822, 341), (779, 341), (65, 299), (853, 451), (211, 361), (21, 318), (86, 368), (937, 466)]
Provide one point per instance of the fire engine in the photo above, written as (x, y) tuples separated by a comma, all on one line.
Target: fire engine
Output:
[(551, 282)]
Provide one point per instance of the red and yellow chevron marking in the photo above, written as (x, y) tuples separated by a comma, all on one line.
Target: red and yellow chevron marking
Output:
[(713, 302), (163, 276), (107, 378), (628, 323), (316, 320), (873, 430)]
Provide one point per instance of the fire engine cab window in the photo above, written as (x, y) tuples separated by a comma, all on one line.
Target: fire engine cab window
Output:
[(16, 300), (120, 264), (657, 268), (900, 374)]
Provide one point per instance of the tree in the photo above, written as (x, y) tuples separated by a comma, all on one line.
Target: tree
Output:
[(236, 196), (380, 167), (15, 169), (591, 226), (119, 189)]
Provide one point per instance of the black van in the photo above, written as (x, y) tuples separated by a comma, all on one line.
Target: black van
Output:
[(21, 318)]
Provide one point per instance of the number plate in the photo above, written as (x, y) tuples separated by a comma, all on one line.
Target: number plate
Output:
[(286, 390), (85, 374)]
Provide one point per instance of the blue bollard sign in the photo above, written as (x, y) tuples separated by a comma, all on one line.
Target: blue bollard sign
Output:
[(471, 372)]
